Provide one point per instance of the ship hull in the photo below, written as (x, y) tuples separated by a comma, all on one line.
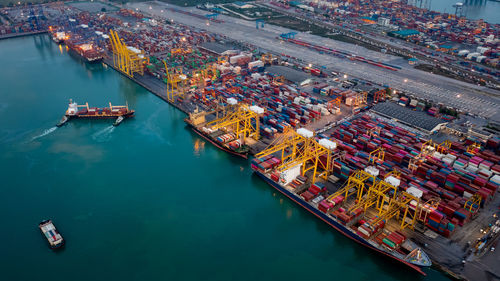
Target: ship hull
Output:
[(203, 135), (102, 116), (84, 57), (337, 226)]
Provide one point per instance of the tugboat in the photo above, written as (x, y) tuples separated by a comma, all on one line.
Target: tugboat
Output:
[(118, 120), (119, 112), (50, 233)]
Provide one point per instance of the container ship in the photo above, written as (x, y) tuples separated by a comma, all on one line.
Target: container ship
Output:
[(224, 140), (367, 227), (89, 51), (59, 36), (50, 233), (74, 110)]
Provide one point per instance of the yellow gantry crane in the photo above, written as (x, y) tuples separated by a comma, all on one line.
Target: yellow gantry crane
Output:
[(128, 60), (394, 203), (377, 155), (244, 122), (300, 148), (199, 77), (472, 148), (374, 132), (175, 83), (400, 205), (428, 149), (386, 197), (358, 183), (473, 204), (267, 58), (426, 208)]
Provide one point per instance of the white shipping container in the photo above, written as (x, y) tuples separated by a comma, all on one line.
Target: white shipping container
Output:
[(257, 109), (415, 192), (289, 175), (495, 179), (318, 199), (256, 75), (363, 230), (234, 59), (257, 63), (393, 181), (471, 169), (467, 195), (305, 133), (328, 144), (480, 58), (372, 171)]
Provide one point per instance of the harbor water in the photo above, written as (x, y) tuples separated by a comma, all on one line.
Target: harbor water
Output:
[(148, 200), (488, 10)]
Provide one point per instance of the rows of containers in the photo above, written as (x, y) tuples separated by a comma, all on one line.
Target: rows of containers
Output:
[(452, 174), (434, 29), (285, 106), (27, 19), (315, 194)]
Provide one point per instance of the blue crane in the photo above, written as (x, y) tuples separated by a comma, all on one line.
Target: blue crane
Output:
[(289, 35), (261, 21), (212, 16)]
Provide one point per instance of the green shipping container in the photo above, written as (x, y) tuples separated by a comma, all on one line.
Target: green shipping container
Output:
[(389, 243), (451, 226)]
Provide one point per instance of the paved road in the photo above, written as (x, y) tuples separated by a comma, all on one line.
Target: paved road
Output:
[(469, 98)]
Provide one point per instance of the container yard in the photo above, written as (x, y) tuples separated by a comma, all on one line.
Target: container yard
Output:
[(412, 178), (440, 34)]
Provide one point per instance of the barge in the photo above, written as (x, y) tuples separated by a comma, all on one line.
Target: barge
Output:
[(49, 231), (391, 244)]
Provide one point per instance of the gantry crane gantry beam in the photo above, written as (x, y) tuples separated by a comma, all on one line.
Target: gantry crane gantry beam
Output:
[(244, 122), (175, 83), (304, 150), (358, 183), (127, 59)]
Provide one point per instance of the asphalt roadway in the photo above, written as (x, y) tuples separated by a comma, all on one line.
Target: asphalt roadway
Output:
[(466, 97)]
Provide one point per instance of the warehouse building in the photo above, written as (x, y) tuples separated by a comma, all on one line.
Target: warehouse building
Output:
[(289, 74), (416, 119)]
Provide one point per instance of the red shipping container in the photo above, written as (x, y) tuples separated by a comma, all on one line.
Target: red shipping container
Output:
[(307, 196)]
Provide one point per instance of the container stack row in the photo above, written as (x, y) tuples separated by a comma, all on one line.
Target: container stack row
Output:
[(452, 174)]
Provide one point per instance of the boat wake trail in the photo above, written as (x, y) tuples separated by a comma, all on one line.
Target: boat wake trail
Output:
[(46, 132), (104, 134)]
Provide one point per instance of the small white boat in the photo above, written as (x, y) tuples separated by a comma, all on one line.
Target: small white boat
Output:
[(118, 120), (63, 121)]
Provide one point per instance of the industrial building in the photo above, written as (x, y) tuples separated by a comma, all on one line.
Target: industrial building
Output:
[(416, 119), (289, 74)]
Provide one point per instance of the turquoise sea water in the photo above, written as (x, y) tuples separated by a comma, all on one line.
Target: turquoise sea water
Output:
[(148, 200), (488, 10)]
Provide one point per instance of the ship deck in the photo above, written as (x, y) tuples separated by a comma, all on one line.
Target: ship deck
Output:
[(390, 226)]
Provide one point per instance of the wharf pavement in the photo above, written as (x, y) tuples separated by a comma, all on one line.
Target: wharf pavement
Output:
[(456, 257), (14, 35), (152, 84)]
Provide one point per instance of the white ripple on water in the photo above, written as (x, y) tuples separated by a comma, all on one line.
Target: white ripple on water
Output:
[(103, 135), (46, 132), (150, 127)]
